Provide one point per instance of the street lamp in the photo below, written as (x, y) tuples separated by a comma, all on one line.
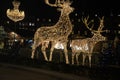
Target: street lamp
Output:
[(14, 14)]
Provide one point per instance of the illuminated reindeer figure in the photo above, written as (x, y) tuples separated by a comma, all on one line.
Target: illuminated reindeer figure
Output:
[(56, 33), (86, 45)]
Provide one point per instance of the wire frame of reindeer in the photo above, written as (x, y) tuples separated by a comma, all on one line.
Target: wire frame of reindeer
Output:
[(86, 46), (56, 33)]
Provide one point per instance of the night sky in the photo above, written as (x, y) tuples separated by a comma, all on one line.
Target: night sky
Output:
[(37, 8)]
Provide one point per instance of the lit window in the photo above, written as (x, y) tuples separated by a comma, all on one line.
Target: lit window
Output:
[(49, 20), (118, 25), (78, 20), (76, 14), (96, 15), (118, 14), (119, 32)]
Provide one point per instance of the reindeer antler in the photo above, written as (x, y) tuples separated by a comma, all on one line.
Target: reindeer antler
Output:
[(85, 21), (101, 24), (58, 3), (53, 5)]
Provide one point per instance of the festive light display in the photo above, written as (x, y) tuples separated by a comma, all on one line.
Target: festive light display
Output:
[(56, 33), (3, 35), (86, 45), (14, 14), (59, 45)]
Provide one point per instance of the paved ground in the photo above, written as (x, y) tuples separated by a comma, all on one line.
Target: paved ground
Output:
[(15, 72)]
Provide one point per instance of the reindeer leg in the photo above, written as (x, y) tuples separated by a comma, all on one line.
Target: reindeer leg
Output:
[(33, 53), (66, 54), (33, 50), (77, 55), (84, 56), (51, 51), (44, 52), (89, 60), (73, 54)]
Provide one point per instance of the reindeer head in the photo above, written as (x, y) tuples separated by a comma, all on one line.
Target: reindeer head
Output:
[(63, 6), (98, 37), (96, 33)]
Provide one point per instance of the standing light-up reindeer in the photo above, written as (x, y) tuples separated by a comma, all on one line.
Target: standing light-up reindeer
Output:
[(56, 33), (86, 45)]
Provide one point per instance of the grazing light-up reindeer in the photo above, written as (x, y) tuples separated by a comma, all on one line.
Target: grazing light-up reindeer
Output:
[(86, 45), (56, 33)]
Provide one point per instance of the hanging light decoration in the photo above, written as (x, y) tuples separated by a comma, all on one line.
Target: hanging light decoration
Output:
[(14, 14)]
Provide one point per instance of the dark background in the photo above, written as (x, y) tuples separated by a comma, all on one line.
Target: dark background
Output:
[(38, 8)]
